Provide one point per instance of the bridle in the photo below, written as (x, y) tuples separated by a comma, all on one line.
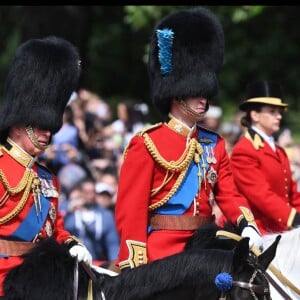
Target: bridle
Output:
[(254, 289)]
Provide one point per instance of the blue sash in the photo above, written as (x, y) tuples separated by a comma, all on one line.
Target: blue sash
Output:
[(33, 223), (188, 189)]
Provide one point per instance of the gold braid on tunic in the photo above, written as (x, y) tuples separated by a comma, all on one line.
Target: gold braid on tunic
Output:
[(193, 151), (25, 184)]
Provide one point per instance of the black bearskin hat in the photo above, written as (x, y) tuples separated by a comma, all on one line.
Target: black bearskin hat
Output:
[(43, 74), (263, 92), (186, 54)]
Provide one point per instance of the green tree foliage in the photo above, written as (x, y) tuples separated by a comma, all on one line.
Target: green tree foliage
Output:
[(261, 42)]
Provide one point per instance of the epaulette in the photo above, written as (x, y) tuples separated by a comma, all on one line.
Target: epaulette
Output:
[(256, 140), (209, 130), (43, 167), (148, 128)]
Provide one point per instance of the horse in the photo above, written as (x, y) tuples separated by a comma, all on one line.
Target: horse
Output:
[(218, 269), (284, 270)]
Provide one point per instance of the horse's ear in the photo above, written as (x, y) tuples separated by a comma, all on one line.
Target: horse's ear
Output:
[(241, 253), (267, 256)]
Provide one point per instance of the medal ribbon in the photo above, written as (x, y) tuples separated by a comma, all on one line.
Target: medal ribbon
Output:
[(208, 141)]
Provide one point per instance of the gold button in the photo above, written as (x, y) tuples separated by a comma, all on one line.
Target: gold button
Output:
[(279, 220)]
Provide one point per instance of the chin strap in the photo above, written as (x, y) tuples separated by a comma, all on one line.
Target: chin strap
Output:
[(189, 111), (33, 138)]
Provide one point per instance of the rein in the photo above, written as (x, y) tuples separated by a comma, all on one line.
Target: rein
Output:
[(256, 288), (92, 278), (253, 288), (75, 281)]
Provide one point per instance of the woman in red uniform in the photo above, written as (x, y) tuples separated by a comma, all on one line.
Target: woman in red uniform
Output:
[(173, 170), (261, 168), (41, 78)]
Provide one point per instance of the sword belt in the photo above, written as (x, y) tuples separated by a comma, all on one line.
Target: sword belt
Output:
[(179, 222), (15, 248)]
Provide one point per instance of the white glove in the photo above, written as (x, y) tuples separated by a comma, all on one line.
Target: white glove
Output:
[(82, 253), (255, 238)]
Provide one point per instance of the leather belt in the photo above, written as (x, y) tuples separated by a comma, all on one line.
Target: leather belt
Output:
[(180, 222), (15, 248)]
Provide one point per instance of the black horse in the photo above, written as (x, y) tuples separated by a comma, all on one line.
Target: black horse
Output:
[(209, 268)]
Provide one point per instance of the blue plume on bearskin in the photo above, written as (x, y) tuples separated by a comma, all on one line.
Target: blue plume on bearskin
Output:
[(165, 42), (185, 63)]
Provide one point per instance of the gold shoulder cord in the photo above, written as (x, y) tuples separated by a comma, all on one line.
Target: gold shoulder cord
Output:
[(192, 151), (24, 184), (174, 166)]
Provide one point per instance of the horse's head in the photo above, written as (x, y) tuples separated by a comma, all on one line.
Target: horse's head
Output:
[(248, 279)]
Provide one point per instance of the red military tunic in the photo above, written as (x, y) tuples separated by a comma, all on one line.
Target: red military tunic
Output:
[(264, 177), (15, 205), (145, 182)]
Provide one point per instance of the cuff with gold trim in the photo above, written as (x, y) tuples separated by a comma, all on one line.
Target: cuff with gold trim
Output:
[(137, 255), (246, 219), (294, 219)]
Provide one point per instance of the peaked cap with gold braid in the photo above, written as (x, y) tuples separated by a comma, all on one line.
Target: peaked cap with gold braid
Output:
[(263, 92)]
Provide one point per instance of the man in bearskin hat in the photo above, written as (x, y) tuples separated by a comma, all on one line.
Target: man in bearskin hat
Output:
[(173, 171), (41, 78), (260, 166)]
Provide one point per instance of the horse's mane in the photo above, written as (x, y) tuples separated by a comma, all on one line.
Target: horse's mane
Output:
[(189, 268), (44, 274), (204, 256)]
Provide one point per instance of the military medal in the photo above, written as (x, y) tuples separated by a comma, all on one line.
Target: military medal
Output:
[(213, 158), (208, 158), (35, 186), (48, 229), (48, 189), (52, 212), (212, 176)]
